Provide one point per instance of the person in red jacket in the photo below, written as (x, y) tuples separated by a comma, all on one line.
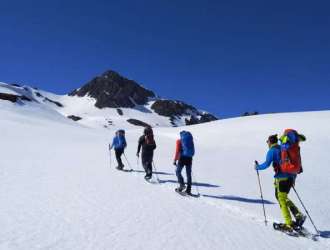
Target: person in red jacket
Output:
[(183, 158), (177, 150)]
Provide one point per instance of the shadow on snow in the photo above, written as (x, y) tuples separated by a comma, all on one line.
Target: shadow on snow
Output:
[(325, 234), (237, 198), (199, 184), (160, 173)]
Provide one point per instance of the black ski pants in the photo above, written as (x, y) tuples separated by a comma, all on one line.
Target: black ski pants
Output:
[(119, 152), (147, 164)]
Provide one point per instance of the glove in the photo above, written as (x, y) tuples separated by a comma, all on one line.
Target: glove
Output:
[(175, 163), (256, 164)]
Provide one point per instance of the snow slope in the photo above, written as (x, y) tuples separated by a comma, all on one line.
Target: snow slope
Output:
[(58, 190)]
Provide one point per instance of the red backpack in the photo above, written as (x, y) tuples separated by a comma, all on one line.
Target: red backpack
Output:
[(290, 152), (149, 136)]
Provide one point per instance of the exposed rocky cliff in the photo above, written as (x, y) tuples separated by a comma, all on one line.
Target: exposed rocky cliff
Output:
[(175, 109), (113, 91)]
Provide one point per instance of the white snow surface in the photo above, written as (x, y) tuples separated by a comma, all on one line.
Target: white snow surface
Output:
[(59, 191)]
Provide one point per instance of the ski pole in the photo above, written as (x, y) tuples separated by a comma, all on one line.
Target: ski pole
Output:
[(196, 184), (262, 198), (317, 231), (156, 171), (127, 161), (110, 156), (138, 162)]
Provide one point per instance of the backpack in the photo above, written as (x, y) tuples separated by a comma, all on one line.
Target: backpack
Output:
[(149, 139), (290, 152), (121, 139), (149, 136), (148, 130), (187, 144), (121, 131)]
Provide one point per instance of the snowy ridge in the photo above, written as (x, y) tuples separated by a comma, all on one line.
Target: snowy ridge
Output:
[(60, 192), (84, 107), (89, 115)]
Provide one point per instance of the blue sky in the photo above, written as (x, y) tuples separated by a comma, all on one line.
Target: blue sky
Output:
[(226, 57)]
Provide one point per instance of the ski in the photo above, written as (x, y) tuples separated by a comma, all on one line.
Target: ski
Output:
[(151, 181), (297, 231), (125, 170), (186, 194), (303, 232), (279, 227)]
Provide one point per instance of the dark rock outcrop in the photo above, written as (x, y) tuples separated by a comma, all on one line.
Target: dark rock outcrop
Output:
[(202, 118), (38, 94), (120, 112), (207, 117), (250, 113), (171, 108), (58, 104), (74, 118), (46, 99), (8, 97), (113, 91), (138, 123), (13, 98), (15, 85), (24, 98), (175, 109)]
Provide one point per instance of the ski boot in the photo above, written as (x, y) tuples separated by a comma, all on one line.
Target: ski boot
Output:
[(180, 188), (147, 176), (300, 220), (120, 167), (283, 227), (188, 190)]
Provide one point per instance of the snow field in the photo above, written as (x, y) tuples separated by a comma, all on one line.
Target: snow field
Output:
[(59, 192)]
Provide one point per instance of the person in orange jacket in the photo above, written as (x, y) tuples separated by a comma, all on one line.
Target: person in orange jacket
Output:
[(183, 158)]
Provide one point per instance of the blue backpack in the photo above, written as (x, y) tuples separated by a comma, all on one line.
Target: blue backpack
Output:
[(121, 141), (187, 144)]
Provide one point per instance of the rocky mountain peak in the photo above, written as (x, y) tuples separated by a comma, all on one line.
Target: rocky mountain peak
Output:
[(113, 90)]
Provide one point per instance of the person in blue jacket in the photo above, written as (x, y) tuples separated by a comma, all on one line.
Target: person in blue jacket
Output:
[(119, 144), (283, 183)]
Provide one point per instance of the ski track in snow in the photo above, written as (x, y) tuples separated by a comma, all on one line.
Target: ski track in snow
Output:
[(232, 213), (59, 192)]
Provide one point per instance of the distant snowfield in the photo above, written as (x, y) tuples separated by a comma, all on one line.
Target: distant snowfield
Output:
[(58, 190)]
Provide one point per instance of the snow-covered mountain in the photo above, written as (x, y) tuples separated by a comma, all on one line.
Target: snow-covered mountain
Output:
[(60, 190), (108, 101)]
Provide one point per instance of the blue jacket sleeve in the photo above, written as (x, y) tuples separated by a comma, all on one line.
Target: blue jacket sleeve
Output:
[(113, 142), (268, 162)]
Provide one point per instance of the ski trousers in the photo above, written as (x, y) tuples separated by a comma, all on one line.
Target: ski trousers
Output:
[(119, 152), (147, 164), (282, 189), (184, 162)]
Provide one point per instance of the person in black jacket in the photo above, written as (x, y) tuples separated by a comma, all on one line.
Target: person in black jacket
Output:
[(148, 145)]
